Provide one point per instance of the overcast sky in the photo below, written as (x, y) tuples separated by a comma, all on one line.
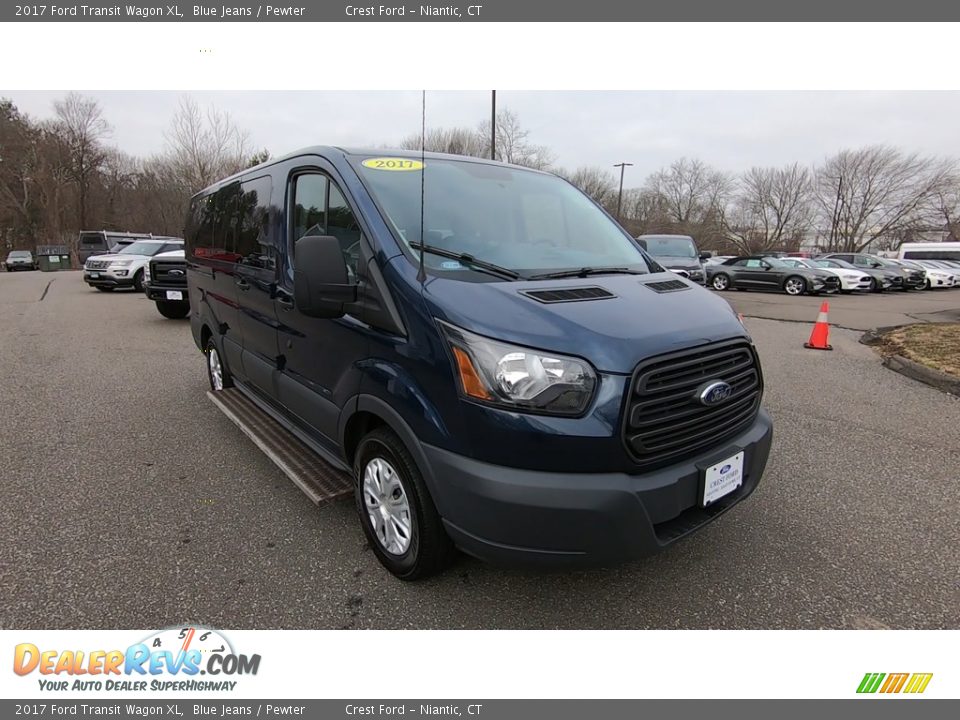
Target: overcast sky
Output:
[(730, 130)]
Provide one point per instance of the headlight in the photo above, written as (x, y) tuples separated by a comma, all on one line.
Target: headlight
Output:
[(121, 263), (517, 377)]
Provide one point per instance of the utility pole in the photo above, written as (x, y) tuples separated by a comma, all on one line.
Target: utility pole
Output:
[(623, 166), (493, 124)]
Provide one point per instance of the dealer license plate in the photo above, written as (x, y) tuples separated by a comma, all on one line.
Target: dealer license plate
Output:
[(174, 295), (94, 275), (722, 479)]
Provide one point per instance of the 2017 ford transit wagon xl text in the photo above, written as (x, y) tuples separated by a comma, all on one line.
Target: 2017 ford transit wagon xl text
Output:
[(496, 362)]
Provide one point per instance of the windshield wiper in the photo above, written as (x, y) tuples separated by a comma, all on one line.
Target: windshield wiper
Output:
[(584, 272), (468, 260)]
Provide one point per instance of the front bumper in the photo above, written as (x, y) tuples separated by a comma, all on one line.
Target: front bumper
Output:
[(159, 292), (19, 266), (518, 517), (103, 278)]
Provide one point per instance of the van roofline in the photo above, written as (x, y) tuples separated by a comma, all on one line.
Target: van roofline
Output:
[(326, 150)]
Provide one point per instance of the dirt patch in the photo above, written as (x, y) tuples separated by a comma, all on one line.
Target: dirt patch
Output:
[(935, 345)]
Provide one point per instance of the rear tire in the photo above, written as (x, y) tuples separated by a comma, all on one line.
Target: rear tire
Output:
[(173, 310), (396, 511), (217, 373)]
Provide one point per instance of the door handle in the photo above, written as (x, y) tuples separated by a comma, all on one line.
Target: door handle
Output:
[(242, 284), (285, 301)]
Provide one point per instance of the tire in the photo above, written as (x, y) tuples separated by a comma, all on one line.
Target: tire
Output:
[(101, 288), (721, 281), (172, 309), (138, 281), (217, 373), (405, 533), (795, 285), (874, 287)]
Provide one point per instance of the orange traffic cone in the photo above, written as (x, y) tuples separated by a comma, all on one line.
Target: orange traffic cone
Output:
[(821, 331)]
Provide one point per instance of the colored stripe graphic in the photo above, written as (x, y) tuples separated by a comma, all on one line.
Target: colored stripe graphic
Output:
[(894, 682), (918, 682), (870, 682)]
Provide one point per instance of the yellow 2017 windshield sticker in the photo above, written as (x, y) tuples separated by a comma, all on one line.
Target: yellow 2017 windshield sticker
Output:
[(393, 164)]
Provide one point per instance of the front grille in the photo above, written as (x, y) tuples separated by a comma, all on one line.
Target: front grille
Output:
[(664, 417), (168, 272), (97, 264)]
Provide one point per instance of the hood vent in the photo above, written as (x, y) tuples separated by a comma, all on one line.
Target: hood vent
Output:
[(665, 286), (562, 295)]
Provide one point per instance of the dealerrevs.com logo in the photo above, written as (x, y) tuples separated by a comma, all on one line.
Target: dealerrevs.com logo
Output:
[(171, 659)]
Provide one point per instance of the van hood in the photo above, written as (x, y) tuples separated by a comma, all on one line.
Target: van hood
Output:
[(614, 333)]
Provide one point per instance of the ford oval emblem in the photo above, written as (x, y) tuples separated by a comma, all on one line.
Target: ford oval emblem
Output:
[(715, 393), (176, 271), (725, 469)]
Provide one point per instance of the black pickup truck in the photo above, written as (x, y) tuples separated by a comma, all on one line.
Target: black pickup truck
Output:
[(165, 282)]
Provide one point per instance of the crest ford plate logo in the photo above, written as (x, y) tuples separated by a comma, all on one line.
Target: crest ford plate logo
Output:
[(714, 393)]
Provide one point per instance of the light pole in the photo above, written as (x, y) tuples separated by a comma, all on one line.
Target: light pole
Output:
[(623, 166), (493, 124)]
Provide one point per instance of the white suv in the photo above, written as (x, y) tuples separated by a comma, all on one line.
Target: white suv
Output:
[(126, 267)]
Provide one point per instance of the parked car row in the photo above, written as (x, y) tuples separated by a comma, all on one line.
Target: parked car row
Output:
[(831, 273), (154, 266)]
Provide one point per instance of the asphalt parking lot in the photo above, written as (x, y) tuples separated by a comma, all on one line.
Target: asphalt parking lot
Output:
[(129, 500)]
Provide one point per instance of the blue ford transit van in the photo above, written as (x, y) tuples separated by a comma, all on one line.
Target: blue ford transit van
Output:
[(499, 365)]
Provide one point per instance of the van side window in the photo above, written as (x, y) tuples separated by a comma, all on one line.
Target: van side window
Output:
[(254, 248), (310, 206), (211, 231), (321, 209), (343, 226)]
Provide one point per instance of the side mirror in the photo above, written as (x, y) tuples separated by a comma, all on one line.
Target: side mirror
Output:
[(706, 255), (875, 265), (320, 283)]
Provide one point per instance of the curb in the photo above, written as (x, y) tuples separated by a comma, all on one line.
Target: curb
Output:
[(934, 378), (908, 368)]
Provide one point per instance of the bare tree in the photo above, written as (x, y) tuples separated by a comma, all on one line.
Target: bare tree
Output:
[(876, 194), (773, 209), (203, 147), (81, 131), (690, 190), (596, 182), (455, 141), (513, 143), (944, 209)]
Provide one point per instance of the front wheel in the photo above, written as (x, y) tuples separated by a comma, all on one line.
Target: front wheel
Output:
[(397, 514), (138, 281), (720, 282), (795, 285), (173, 310)]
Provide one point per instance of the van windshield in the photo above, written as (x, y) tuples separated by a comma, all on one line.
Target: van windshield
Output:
[(664, 247), (527, 222), (141, 247), (95, 239)]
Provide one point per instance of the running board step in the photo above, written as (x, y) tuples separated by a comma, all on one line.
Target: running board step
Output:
[(320, 481)]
